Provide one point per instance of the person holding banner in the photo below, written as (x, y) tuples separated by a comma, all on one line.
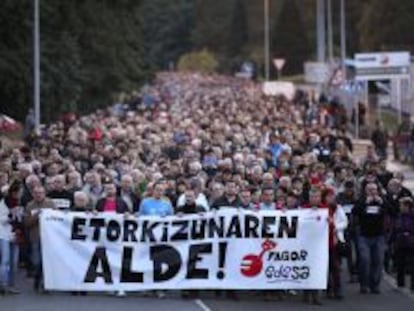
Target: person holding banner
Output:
[(338, 222), (127, 193), (60, 196), (315, 203), (268, 200), (111, 202), (156, 205), (31, 220), (230, 197), (190, 206), (246, 199), (80, 202)]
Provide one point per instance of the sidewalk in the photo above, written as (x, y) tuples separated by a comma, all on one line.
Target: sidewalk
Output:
[(408, 172)]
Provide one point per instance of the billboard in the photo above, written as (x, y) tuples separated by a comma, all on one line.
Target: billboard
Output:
[(382, 65)]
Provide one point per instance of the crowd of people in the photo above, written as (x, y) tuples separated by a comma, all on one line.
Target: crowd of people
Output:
[(189, 143)]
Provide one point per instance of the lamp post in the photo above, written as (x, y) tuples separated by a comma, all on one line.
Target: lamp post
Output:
[(330, 32), (36, 64), (266, 40), (320, 31), (343, 37)]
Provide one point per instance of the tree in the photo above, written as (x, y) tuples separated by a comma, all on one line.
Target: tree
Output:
[(238, 34), (202, 61), (386, 25), (89, 51), (289, 38), (167, 30), (15, 57)]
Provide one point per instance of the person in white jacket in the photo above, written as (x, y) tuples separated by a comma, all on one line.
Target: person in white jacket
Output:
[(6, 236), (201, 199)]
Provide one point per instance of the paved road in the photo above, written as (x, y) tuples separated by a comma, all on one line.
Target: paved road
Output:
[(29, 301)]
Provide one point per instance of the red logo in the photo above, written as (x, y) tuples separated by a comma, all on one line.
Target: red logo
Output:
[(252, 264), (385, 59)]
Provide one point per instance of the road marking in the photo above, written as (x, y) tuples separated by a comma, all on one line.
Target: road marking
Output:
[(202, 305), (393, 283)]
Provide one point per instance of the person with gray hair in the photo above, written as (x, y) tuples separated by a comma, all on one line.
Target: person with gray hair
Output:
[(80, 202), (126, 191)]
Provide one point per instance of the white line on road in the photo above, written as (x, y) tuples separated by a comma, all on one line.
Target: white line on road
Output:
[(202, 305)]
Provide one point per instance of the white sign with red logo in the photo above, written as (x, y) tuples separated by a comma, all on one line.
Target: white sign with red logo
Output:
[(382, 59), (382, 65), (226, 249)]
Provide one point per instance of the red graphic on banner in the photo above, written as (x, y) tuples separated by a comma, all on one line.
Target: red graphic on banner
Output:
[(252, 264)]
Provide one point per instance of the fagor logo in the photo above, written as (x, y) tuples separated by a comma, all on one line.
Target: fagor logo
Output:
[(384, 60), (252, 264)]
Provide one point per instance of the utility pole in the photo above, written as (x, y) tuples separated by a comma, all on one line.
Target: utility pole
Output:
[(36, 64), (266, 40), (330, 32), (343, 37), (320, 31)]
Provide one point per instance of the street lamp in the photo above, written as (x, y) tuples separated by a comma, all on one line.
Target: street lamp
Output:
[(330, 32), (343, 37), (320, 30), (266, 40), (36, 64)]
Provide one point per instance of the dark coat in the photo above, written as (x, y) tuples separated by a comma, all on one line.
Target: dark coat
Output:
[(134, 198), (404, 230), (121, 206)]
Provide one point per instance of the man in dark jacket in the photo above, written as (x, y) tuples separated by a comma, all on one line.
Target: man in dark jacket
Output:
[(62, 198), (348, 199), (230, 197), (190, 206), (371, 213), (126, 192), (111, 202)]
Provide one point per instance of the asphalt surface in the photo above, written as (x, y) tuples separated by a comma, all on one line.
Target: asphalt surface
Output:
[(389, 299)]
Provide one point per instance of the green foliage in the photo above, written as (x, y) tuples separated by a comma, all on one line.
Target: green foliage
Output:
[(387, 25), (289, 39), (94, 49), (203, 61), (167, 30), (89, 51)]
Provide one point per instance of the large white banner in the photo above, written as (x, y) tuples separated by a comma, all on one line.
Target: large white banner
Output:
[(227, 249)]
